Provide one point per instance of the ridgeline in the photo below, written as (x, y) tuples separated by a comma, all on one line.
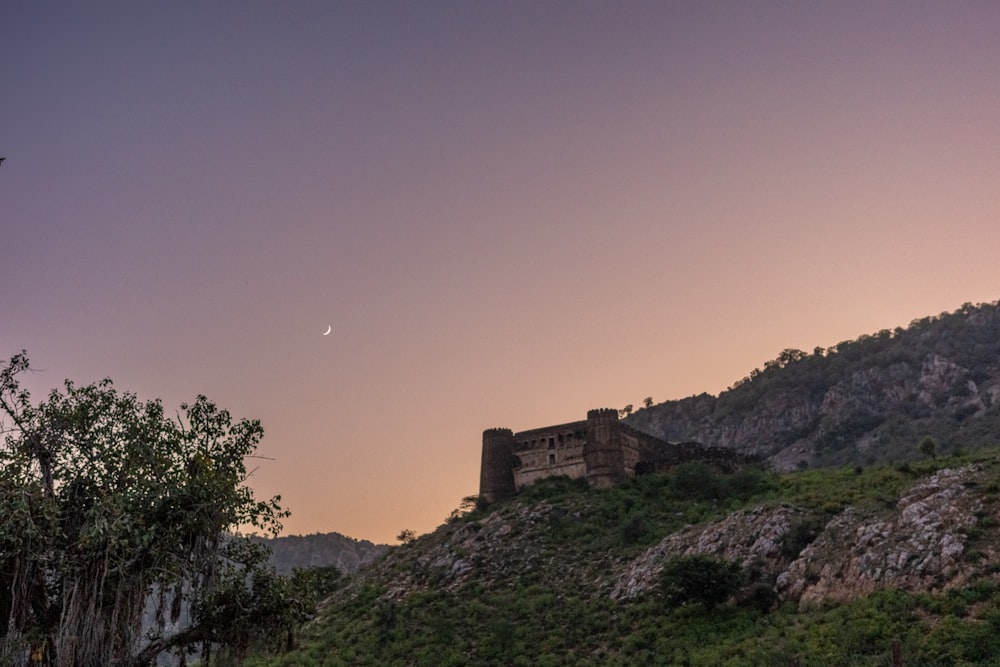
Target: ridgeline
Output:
[(863, 401)]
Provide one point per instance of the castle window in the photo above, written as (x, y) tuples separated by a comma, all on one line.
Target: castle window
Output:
[(552, 459), (552, 443), (560, 438)]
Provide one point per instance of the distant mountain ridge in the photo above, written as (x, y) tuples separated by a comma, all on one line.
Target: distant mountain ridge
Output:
[(862, 401), (320, 550)]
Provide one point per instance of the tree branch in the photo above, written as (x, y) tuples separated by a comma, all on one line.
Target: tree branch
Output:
[(192, 635)]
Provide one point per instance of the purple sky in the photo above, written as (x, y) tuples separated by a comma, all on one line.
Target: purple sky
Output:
[(509, 212)]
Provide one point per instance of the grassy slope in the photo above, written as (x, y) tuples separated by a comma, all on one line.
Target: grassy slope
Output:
[(540, 619)]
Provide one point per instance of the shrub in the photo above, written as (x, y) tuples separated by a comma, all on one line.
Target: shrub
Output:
[(928, 446), (696, 480), (761, 596), (800, 535), (700, 580), (634, 530)]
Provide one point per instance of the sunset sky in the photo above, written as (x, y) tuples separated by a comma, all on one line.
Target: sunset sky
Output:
[(508, 212)]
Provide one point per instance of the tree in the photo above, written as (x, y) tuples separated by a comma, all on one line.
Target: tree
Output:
[(648, 401), (699, 580), (928, 446), (406, 536), (468, 505), (105, 500), (250, 605)]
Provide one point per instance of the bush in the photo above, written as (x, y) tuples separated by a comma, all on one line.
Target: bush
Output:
[(928, 446), (761, 596), (696, 480), (634, 530), (700, 580), (800, 535), (748, 482)]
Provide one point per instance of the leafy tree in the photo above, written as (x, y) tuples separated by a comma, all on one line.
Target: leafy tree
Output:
[(699, 580), (928, 446), (406, 536), (468, 505), (249, 605), (648, 401), (105, 500)]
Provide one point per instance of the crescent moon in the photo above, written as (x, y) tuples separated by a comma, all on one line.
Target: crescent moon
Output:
[(328, 330)]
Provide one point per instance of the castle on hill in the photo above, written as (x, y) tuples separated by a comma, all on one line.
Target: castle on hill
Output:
[(600, 449)]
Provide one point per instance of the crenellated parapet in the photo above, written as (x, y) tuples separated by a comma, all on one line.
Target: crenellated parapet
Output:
[(604, 452)]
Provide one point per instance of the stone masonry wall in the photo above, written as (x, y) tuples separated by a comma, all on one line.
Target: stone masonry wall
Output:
[(549, 452), (601, 449)]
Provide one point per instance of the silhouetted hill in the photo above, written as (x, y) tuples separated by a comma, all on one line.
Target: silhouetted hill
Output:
[(321, 549), (861, 401)]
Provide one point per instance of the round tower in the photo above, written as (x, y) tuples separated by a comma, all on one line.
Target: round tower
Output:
[(496, 477), (603, 450)]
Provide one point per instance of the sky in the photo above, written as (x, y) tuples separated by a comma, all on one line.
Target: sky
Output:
[(508, 212)]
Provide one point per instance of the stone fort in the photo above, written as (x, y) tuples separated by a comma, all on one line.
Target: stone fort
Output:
[(601, 449)]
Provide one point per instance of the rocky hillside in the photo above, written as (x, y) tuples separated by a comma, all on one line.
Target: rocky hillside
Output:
[(917, 543), (861, 401), (817, 563), (321, 549), (912, 535), (853, 543)]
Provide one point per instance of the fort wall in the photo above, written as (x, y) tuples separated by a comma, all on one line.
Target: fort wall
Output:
[(600, 449), (550, 452)]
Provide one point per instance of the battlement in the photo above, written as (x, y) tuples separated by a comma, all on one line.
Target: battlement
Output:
[(602, 450)]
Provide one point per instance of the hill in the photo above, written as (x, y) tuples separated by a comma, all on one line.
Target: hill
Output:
[(862, 401), (852, 543), (697, 567), (321, 549)]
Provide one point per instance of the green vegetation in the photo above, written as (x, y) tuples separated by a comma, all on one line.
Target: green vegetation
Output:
[(705, 611), (105, 500), (928, 446), (633, 515), (534, 625), (699, 580)]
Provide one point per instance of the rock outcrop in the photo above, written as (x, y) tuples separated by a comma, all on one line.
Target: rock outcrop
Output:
[(919, 544), (861, 401)]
